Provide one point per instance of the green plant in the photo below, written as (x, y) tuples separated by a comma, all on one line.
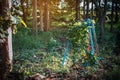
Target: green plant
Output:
[(4, 22), (24, 39), (51, 44), (78, 36), (113, 74)]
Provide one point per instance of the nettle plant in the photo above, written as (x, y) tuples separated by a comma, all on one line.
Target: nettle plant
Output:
[(78, 36)]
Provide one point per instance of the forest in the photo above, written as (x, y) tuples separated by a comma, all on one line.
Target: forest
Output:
[(59, 39)]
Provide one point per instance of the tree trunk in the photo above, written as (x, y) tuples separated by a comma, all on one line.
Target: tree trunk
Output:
[(84, 9), (23, 10), (99, 2), (87, 12), (7, 55), (111, 28), (41, 16), (101, 17), (101, 23), (47, 17), (116, 12), (92, 11), (77, 15), (27, 7), (35, 17), (6, 46)]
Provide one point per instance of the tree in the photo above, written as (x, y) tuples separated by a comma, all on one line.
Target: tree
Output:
[(116, 11), (111, 28), (35, 17), (41, 14), (47, 15), (27, 7), (77, 10), (84, 8), (101, 13), (23, 10), (6, 45), (87, 12)]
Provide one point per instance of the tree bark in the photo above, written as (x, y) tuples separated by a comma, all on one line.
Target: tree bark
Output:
[(35, 17), (77, 15), (92, 11), (84, 9), (47, 16), (99, 2), (111, 28), (7, 55), (27, 7), (101, 23), (116, 12), (101, 17), (87, 12), (41, 16), (23, 10), (6, 46)]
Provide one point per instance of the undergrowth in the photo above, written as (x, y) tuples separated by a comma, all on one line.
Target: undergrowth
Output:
[(44, 53)]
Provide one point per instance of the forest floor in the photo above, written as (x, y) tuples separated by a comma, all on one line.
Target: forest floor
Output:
[(33, 55)]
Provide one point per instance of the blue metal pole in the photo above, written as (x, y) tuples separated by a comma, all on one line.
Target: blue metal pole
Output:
[(65, 54)]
